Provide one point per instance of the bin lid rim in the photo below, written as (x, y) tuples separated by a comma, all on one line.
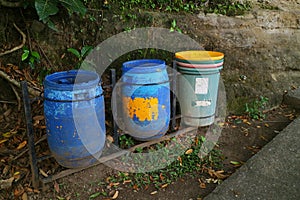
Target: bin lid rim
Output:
[(197, 55), (143, 65), (199, 66), (52, 80)]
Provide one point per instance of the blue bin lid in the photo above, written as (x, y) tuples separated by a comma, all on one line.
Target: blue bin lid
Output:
[(70, 80), (143, 66)]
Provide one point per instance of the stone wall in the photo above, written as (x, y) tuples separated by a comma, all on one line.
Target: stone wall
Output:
[(262, 50)]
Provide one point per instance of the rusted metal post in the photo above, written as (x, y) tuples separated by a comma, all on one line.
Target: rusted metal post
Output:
[(30, 135)]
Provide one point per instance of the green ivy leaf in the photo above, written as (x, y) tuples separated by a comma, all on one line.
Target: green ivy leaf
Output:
[(74, 51), (74, 6), (36, 55), (174, 23), (25, 54), (93, 196), (51, 24), (45, 8), (86, 50)]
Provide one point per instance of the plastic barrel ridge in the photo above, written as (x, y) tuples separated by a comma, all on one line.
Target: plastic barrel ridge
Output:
[(67, 94), (198, 85), (146, 98)]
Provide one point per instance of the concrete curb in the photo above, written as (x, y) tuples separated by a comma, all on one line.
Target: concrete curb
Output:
[(273, 173)]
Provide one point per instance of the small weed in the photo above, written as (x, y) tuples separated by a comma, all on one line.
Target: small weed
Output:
[(225, 7), (92, 18), (174, 27), (30, 57), (126, 141), (95, 195), (80, 55), (187, 163), (255, 109)]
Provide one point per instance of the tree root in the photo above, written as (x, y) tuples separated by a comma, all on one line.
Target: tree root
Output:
[(17, 96), (17, 47), (31, 91), (11, 4)]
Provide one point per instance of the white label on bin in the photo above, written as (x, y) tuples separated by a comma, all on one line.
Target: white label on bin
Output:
[(202, 103), (201, 86)]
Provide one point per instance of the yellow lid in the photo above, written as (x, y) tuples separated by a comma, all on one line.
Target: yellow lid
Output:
[(199, 55)]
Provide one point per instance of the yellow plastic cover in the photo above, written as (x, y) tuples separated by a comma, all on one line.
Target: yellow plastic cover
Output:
[(199, 55)]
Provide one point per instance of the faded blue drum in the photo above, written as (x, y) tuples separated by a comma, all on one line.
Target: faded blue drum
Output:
[(145, 98), (75, 119)]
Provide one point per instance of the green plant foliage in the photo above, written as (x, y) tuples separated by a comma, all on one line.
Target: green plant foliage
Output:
[(126, 141), (80, 55), (30, 57), (189, 163), (47, 8), (174, 27), (225, 7), (255, 109)]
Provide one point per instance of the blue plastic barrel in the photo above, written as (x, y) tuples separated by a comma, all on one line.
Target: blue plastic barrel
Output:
[(75, 119), (146, 98)]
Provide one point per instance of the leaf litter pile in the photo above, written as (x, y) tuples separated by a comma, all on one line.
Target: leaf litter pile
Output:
[(15, 180)]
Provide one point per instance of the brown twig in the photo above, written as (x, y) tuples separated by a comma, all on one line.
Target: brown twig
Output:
[(11, 4), (17, 96), (31, 91), (44, 54), (8, 102), (17, 47)]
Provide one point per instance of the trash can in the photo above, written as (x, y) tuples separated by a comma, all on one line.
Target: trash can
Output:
[(74, 115), (145, 98), (198, 84)]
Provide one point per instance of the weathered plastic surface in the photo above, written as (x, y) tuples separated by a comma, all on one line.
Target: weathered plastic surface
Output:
[(198, 93), (146, 98), (75, 119)]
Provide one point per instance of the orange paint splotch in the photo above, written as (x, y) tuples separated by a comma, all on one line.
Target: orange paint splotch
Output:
[(142, 108)]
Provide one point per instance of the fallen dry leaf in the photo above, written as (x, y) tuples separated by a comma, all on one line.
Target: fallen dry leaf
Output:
[(56, 187), (154, 192), (110, 138), (5, 170), (2, 141), (22, 145), (189, 151), (19, 191), (135, 187), (24, 196), (38, 117), (217, 174), (5, 184), (202, 185), (164, 185), (267, 125), (9, 134), (127, 181), (115, 196), (43, 173), (17, 176)]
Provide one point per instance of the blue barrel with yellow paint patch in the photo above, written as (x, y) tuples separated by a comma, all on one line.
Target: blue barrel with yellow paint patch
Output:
[(146, 98), (74, 114)]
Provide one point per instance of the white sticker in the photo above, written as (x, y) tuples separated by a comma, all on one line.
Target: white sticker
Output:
[(202, 103), (201, 86)]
